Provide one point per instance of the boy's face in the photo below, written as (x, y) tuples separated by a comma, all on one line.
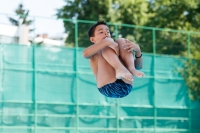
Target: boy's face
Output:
[(101, 32)]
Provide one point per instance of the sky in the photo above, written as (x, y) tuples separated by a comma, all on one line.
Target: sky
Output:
[(41, 8)]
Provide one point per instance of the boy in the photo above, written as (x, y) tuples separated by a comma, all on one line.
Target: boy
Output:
[(112, 62)]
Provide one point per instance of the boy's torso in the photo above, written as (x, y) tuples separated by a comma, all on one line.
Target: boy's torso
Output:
[(94, 64)]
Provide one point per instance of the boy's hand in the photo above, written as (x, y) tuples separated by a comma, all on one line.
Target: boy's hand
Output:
[(113, 45), (130, 46)]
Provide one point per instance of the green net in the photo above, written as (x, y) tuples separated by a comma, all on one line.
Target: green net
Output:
[(52, 90)]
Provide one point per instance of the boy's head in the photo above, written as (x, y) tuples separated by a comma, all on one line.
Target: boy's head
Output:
[(98, 32)]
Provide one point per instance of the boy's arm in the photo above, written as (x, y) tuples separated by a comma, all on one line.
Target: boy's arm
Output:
[(130, 46), (95, 48), (138, 60)]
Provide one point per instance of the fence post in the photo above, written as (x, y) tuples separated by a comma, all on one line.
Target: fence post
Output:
[(154, 63), (189, 101), (76, 69)]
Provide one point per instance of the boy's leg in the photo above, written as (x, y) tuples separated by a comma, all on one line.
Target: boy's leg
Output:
[(128, 59), (105, 73), (111, 57)]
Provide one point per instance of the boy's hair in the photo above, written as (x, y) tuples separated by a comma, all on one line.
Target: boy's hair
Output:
[(93, 27)]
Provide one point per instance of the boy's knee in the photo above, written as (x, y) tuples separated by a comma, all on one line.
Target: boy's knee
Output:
[(107, 49), (120, 41)]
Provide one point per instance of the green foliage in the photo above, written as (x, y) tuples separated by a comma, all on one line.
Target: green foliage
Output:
[(190, 70), (83, 10), (22, 17), (107, 10), (195, 46), (191, 74), (132, 12), (173, 14)]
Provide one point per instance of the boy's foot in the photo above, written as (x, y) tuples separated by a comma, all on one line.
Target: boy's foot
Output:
[(124, 74), (137, 73)]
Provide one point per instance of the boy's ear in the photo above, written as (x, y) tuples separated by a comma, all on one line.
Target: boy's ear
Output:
[(92, 39)]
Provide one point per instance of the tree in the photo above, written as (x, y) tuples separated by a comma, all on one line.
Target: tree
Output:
[(108, 10), (191, 75), (22, 17), (174, 14), (190, 70), (133, 12), (22, 20), (83, 10)]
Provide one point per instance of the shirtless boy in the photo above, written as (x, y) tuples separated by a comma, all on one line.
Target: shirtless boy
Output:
[(112, 62)]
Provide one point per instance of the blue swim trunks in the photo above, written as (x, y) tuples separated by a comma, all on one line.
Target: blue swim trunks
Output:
[(118, 89)]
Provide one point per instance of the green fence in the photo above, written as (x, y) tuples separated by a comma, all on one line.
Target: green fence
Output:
[(52, 89)]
